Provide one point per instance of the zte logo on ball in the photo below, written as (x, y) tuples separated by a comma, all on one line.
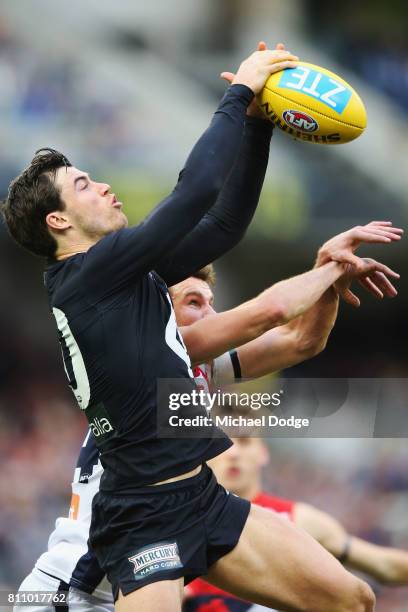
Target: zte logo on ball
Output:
[(100, 427), (317, 85)]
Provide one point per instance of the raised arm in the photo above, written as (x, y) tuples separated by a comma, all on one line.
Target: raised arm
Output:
[(226, 222), (126, 255), (279, 304), (385, 564), (290, 344), (289, 322), (132, 252), (307, 335)]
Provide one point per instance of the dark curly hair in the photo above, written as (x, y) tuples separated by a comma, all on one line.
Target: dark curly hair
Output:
[(31, 196)]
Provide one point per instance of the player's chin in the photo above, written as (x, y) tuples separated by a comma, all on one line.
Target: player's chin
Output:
[(121, 221)]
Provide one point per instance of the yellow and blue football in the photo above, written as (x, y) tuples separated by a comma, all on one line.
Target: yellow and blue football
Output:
[(312, 104)]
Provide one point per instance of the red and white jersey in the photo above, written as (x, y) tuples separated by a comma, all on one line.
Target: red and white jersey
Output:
[(68, 557), (222, 371), (204, 597)]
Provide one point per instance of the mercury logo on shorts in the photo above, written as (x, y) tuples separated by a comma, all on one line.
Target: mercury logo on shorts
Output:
[(152, 559)]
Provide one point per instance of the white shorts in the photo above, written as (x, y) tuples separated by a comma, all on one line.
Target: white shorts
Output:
[(78, 601)]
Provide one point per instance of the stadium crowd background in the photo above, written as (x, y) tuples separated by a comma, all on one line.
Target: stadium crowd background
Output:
[(124, 92)]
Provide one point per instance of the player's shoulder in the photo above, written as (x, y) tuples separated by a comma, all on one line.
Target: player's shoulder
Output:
[(108, 243), (274, 502), (59, 273)]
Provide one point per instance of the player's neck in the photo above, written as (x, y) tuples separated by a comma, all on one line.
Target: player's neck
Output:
[(66, 251)]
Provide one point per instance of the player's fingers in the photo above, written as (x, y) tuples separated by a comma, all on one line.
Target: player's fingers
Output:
[(280, 47), (380, 267), (350, 297), (227, 76), (384, 225), (393, 233), (281, 56), (272, 68), (275, 55), (384, 284), (368, 284), (262, 46), (369, 236), (359, 264), (379, 223), (373, 236), (386, 228)]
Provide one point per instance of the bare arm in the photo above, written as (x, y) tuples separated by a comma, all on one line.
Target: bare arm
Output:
[(289, 301), (387, 565), (289, 344), (276, 306), (307, 335)]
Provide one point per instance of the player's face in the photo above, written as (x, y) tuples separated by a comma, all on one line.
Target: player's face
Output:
[(238, 469), (192, 300), (90, 207)]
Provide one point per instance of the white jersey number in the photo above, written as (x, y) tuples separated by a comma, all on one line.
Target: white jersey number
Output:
[(174, 339), (73, 361)]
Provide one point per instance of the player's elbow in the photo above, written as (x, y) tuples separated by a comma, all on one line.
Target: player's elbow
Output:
[(311, 345), (268, 314), (208, 184)]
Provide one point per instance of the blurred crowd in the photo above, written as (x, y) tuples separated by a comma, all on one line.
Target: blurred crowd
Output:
[(367, 494), (40, 435), (371, 40), (47, 94)]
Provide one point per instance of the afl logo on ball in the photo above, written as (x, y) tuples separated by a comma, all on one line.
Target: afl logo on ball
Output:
[(300, 121)]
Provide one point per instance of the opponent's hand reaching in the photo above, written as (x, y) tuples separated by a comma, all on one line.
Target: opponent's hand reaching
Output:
[(341, 248), (258, 67), (372, 275)]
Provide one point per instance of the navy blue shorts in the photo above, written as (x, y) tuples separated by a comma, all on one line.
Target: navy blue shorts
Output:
[(166, 531)]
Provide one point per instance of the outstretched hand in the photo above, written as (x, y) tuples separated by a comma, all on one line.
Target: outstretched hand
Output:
[(280, 59), (372, 275), (341, 248)]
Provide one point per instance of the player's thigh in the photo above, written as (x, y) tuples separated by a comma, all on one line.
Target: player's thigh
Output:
[(163, 596), (279, 565)]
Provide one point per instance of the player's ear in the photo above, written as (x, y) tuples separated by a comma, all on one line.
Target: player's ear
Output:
[(57, 220)]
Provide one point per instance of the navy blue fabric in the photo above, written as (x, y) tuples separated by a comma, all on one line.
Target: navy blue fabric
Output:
[(196, 515)]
